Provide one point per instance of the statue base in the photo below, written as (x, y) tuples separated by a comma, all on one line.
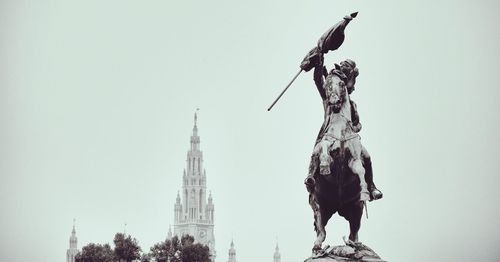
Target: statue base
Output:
[(351, 253)]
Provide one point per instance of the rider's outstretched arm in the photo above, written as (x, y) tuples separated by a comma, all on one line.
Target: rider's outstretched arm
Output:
[(318, 75)]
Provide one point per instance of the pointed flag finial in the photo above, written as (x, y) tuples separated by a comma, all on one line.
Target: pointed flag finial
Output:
[(196, 116)]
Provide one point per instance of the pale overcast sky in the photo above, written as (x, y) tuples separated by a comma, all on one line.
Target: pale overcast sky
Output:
[(96, 110)]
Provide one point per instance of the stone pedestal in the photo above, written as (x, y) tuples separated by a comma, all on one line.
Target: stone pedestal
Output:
[(350, 253)]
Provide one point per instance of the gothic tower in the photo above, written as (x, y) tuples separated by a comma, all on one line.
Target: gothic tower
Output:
[(232, 253), (73, 250), (277, 255), (193, 214)]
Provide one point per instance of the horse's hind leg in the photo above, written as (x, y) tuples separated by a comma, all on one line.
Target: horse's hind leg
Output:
[(353, 214), (318, 224), (321, 217), (355, 221)]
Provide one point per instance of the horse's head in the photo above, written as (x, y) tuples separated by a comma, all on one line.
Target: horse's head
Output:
[(335, 88)]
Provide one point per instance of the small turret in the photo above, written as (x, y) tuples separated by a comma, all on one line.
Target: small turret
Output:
[(277, 255), (232, 253), (169, 236), (73, 245)]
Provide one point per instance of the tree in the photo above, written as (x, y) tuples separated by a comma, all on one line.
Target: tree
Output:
[(166, 250), (160, 251), (195, 253), (95, 253), (183, 250), (126, 248)]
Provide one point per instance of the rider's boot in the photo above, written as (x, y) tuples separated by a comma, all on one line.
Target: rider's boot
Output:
[(310, 182), (375, 193)]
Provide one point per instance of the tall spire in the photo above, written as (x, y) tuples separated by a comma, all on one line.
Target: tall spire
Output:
[(194, 215)]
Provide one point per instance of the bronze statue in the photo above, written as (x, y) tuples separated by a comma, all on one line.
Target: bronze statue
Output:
[(340, 175)]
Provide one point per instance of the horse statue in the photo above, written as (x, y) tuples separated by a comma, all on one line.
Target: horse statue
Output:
[(337, 183)]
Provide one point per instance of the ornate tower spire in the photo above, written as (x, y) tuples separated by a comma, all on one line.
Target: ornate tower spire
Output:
[(277, 255), (232, 253), (194, 215), (73, 242)]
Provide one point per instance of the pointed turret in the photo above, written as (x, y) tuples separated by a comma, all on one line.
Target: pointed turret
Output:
[(177, 208), (169, 236), (210, 208), (73, 245), (277, 255), (73, 240), (232, 253)]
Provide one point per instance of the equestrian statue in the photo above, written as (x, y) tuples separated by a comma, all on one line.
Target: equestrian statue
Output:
[(340, 177)]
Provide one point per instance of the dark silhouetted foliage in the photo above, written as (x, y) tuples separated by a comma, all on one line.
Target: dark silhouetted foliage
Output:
[(95, 253), (126, 248)]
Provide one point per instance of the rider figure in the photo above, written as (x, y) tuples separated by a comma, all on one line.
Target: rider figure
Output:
[(348, 67)]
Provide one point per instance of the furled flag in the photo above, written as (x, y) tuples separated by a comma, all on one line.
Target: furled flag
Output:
[(329, 41)]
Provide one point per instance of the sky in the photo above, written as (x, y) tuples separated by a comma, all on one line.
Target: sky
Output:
[(96, 111)]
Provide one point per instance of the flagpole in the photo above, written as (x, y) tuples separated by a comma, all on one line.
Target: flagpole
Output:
[(284, 90)]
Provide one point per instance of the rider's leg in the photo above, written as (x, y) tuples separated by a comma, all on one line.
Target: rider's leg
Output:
[(356, 165), (367, 163), (357, 168)]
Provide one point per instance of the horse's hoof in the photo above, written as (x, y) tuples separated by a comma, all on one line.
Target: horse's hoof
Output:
[(317, 251), (316, 248)]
